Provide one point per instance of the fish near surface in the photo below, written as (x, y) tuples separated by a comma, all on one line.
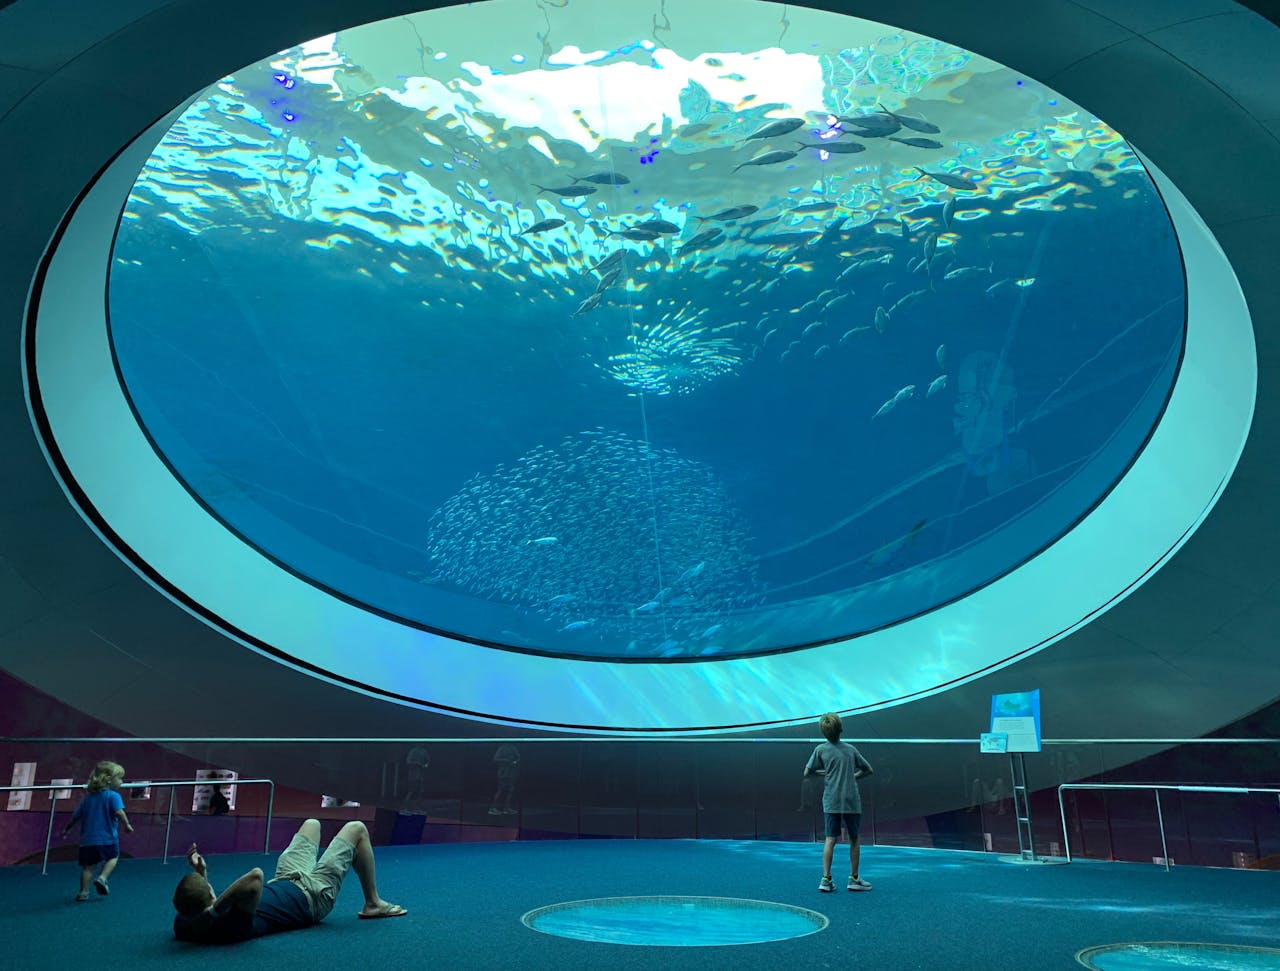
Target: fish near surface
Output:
[(915, 124), (661, 226), (636, 235), (950, 181), (768, 158), (702, 240), (567, 191), (834, 147), (543, 226), (776, 128), (605, 178), (730, 214), (807, 207), (916, 142)]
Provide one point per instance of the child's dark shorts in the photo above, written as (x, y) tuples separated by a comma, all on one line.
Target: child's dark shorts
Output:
[(852, 822), (93, 855)]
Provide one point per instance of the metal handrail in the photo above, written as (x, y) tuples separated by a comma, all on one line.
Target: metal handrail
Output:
[(173, 785), (1156, 788), (611, 739)]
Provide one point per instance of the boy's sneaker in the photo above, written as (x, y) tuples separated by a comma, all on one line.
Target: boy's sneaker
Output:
[(827, 885), (81, 897), (857, 883), (101, 886)]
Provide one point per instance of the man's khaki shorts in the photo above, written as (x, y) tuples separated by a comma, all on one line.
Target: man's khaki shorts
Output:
[(319, 879)]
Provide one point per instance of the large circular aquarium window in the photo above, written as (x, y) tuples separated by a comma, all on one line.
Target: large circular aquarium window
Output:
[(706, 330), (607, 335)]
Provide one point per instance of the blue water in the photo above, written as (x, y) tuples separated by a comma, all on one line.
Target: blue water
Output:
[(1172, 956), (675, 921), (429, 429)]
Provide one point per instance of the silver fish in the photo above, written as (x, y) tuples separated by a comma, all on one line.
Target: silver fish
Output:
[(940, 355), (542, 226), (813, 207), (916, 142), (768, 158), (915, 124), (835, 147), (639, 235), (961, 272), (885, 409), (882, 319), (730, 214), (775, 128), (661, 226), (938, 384), (950, 181), (609, 262), (567, 191), (702, 240), (605, 178)]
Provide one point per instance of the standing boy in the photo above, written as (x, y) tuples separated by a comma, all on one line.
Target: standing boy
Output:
[(842, 765)]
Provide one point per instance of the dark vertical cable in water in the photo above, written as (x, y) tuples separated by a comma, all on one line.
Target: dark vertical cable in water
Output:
[(644, 415)]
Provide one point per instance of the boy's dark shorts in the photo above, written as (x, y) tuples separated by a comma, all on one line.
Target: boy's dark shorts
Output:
[(852, 822), (93, 855)]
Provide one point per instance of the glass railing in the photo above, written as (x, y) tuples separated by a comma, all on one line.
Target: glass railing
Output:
[(938, 793)]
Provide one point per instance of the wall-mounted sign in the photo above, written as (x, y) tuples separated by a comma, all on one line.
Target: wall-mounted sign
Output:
[(1018, 716)]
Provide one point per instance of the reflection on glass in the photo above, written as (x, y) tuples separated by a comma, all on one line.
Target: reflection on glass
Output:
[(601, 332)]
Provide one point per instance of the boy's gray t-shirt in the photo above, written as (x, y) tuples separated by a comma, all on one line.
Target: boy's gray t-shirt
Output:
[(840, 790)]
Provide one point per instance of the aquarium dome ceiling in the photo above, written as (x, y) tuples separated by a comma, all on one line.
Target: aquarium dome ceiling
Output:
[(601, 339)]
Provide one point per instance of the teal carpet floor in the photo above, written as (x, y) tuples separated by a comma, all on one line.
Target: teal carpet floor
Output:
[(930, 909)]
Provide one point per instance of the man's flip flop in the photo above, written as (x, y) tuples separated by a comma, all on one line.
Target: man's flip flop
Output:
[(387, 910)]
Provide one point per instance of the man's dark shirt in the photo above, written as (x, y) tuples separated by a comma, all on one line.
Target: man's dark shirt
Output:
[(283, 907)]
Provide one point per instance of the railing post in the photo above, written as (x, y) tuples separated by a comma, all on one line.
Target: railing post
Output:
[(168, 824), (271, 803), (1164, 847), (1066, 840), (48, 837)]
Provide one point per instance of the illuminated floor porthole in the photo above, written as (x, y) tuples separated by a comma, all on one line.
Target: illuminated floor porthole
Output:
[(1179, 956), (662, 921)]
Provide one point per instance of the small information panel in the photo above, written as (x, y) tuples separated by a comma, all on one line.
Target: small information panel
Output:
[(1018, 717), (993, 743)]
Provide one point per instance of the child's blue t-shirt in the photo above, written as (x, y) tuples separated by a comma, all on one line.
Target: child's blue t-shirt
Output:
[(97, 816), (840, 761)]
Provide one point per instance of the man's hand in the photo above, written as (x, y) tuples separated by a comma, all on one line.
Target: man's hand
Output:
[(195, 860)]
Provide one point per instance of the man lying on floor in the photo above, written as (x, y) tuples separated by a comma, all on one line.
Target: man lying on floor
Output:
[(302, 892)]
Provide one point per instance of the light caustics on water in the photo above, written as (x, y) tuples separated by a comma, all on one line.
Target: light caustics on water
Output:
[(604, 334)]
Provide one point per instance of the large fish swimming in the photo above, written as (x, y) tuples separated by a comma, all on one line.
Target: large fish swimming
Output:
[(660, 226), (768, 158), (950, 181), (729, 215), (775, 128), (567, 191), (835, 147), (702, 240), (915, 124), (916, 142), (542, 226), (605, 178)]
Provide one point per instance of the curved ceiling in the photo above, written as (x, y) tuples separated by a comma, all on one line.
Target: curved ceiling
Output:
[(1163, 654)]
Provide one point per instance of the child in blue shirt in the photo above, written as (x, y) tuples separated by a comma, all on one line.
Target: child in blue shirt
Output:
[(842, 765), (99, 816)]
